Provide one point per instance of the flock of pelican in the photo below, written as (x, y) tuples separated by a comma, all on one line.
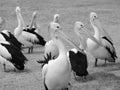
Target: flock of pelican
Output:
[(58, 62)]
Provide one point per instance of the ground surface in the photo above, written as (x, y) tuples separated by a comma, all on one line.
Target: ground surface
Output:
[(100, 78)]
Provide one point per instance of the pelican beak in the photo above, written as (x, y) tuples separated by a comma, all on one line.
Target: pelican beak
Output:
[(98, 24), (70, 41), (90, 36)]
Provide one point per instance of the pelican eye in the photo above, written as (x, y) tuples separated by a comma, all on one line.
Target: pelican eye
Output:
[(95, 16), (57, 26), (82, 26)]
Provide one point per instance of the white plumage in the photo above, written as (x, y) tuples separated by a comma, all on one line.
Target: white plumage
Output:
[(56, 73), (18, 30), (27, 37), (50, 46), (11, 55), (106, 50)]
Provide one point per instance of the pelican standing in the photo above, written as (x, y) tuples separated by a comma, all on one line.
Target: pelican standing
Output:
[(105, 49), (18, 30), (34, 29), (57, 72), (78, 60), (26, 36)]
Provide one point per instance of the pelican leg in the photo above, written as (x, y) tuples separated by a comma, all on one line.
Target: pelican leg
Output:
[(65, 89), (31, 49), (75, 76), (105, 61), (96, 62), (4, 66)]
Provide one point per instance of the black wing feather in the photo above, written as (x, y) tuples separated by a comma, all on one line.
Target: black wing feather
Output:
[(113, 54), (40, 38), (18, 59), (79, 63), (12, 40)]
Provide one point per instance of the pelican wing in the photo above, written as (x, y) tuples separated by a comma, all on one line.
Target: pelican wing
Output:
[(34, 37), (109, 46), (11, 38), (17, 57), (105, 34)]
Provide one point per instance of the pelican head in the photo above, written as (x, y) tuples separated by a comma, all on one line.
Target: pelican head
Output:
[(34, 13), (94, 19), (56, 18), (79, 25), (85, 31), (17, 9), (53, 28), (93, 16)]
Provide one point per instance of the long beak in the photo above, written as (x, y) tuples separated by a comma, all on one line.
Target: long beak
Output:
[(33, 18), (102, 29), (70, 41), (19, 15), (90, 36)]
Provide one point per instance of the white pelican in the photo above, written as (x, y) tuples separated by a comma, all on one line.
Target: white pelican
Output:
[(79, 59), (50, 46), (11, 55), (27, 37), (103, 50), (57, 72)]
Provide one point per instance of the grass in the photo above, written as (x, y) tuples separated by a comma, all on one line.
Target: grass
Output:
[(101, 77)]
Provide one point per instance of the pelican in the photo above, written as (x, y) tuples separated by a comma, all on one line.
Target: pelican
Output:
[(50, 46), (104, 49), (11, 55), (19, 28), (34, 29), (57, 72), (77, 58), (27, 37)]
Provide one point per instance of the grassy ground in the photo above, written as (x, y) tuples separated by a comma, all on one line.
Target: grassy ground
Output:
[(100, 78)]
